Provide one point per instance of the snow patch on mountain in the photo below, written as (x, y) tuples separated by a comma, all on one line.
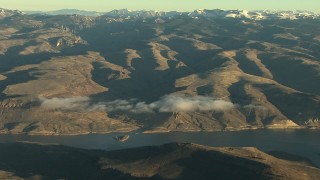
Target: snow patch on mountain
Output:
[(196, 14), (255, 15), (7, 13)]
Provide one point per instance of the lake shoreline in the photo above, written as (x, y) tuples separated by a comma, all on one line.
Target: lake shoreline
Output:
[(152, 131), (302, 142)]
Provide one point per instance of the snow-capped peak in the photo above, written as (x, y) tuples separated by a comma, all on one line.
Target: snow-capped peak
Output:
[(255, 15), (6, 12), (196, 14), (200, 11)]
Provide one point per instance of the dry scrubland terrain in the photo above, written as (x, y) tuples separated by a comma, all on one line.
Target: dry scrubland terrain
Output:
[(170, 161), (71, 74)]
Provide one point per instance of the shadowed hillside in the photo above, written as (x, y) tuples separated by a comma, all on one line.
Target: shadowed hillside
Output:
[(170, 161)]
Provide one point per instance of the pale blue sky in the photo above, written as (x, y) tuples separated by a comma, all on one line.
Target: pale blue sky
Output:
[(163, 5)]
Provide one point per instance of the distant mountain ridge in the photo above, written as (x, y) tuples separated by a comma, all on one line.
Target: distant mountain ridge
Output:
[(67, 12), (218, 13), (256, 15)]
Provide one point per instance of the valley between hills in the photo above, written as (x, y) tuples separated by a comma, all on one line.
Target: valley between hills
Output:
[(74, 74)]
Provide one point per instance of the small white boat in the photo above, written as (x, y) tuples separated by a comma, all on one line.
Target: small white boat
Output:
[(121, 138)]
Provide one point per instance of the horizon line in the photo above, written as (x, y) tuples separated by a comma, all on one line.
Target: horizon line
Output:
[(296, 10)]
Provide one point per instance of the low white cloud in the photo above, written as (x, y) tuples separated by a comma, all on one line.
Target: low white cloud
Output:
[(253, 106), (169, 103), (71, 104), (173, 103), (132, 105)]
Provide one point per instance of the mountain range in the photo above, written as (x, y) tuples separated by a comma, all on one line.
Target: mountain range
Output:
[(217, 13), (207, 70)]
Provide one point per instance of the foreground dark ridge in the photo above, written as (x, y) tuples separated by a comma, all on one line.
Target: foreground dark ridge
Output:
[(72, 74), (170, 161)]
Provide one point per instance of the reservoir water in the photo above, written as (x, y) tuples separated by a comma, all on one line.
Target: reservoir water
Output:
[(305, 143)]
